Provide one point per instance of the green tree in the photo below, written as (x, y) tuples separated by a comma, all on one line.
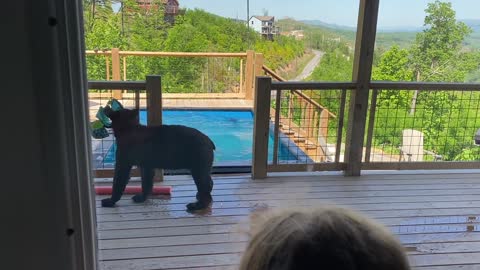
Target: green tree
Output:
[(438, 46), (448, 119), (393, 66), (334, 66), (101, 33)]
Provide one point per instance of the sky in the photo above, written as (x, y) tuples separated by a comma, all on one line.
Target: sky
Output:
[(392, 13)]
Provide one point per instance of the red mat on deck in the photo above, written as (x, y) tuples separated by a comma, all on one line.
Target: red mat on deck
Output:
[(160, 190)]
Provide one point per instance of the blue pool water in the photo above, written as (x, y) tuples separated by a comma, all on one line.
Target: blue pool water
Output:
[(231, 131)]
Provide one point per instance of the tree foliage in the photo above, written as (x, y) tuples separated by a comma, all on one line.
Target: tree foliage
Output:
[(436, 55), (135, 28), (448, 119), (438, 46)]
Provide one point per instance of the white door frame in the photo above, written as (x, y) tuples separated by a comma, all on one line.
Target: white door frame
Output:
[(69, 102)]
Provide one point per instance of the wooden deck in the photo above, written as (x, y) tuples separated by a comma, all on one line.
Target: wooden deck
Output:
[(435, 215)]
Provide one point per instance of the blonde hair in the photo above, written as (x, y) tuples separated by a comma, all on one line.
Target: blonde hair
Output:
[(323, 238)]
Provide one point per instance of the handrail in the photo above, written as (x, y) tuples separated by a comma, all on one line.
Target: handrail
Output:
[(175, 54), (125, 85), (384, 85), (272, 73), (312, 85), (307, 98)]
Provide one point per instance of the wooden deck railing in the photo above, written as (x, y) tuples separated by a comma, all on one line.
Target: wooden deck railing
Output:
[(311, 133), (250, 67), (435, 163), (265, 88)]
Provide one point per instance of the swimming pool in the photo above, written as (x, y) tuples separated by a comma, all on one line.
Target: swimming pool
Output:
[(231, 131)]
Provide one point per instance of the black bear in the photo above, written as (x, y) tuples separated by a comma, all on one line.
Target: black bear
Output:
[(159, 147)]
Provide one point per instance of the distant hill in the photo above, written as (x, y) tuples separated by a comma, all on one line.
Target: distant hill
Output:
[(388, 36), (330, 30), (474, 24), (328, 25)]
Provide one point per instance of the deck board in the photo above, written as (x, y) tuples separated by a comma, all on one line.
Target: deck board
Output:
[(435, 215)]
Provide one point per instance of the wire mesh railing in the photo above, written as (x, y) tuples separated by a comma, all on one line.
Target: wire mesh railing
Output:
[(309, 131), (182, 72), (407, 126), (305, 123), (422, 123)]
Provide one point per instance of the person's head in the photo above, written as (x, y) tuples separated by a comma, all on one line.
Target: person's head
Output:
[(327, 238)]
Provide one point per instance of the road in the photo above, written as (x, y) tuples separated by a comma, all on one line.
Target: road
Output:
[(307, 71)]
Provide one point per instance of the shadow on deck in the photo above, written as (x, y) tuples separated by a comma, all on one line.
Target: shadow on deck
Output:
[(435, 215)]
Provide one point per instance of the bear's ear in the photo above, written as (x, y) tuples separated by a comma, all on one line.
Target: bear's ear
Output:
[(110, 113)]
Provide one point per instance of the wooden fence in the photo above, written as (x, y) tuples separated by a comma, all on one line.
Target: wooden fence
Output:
[(250, 66)]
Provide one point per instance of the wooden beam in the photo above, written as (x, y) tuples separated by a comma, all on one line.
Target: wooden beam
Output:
[(258, 65), (316, 167), (261, 127), (323, 126), (310, 120), (107, 68), (154, 109), (432, 86), (131, 85), (124, 68), (317, 86), (117, 93), (249, 75), (421, 165), (171, 54), (242, 89), (341, 117), (276, 138), (154, 101), (362, 70)]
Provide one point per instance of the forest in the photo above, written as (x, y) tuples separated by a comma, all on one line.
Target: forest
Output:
[(136, 29)]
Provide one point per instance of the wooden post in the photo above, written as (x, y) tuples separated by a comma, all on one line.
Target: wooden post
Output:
[(311, 121), (124, 68), (242, 90), (258, 65), (290, 105), (117, 94), (107, 68), (362, 70), (302, 112), (249, 75), (323, 126), (154, 108), (261, 127)]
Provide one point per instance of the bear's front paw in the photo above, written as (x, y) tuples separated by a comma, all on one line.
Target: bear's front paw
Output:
[(139, 198), (108, 202)]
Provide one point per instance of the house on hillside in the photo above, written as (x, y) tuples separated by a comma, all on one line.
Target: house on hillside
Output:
[(265, 25), (171, 8)]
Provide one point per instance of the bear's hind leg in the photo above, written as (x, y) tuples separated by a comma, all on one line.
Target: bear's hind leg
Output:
[(204, 183)]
